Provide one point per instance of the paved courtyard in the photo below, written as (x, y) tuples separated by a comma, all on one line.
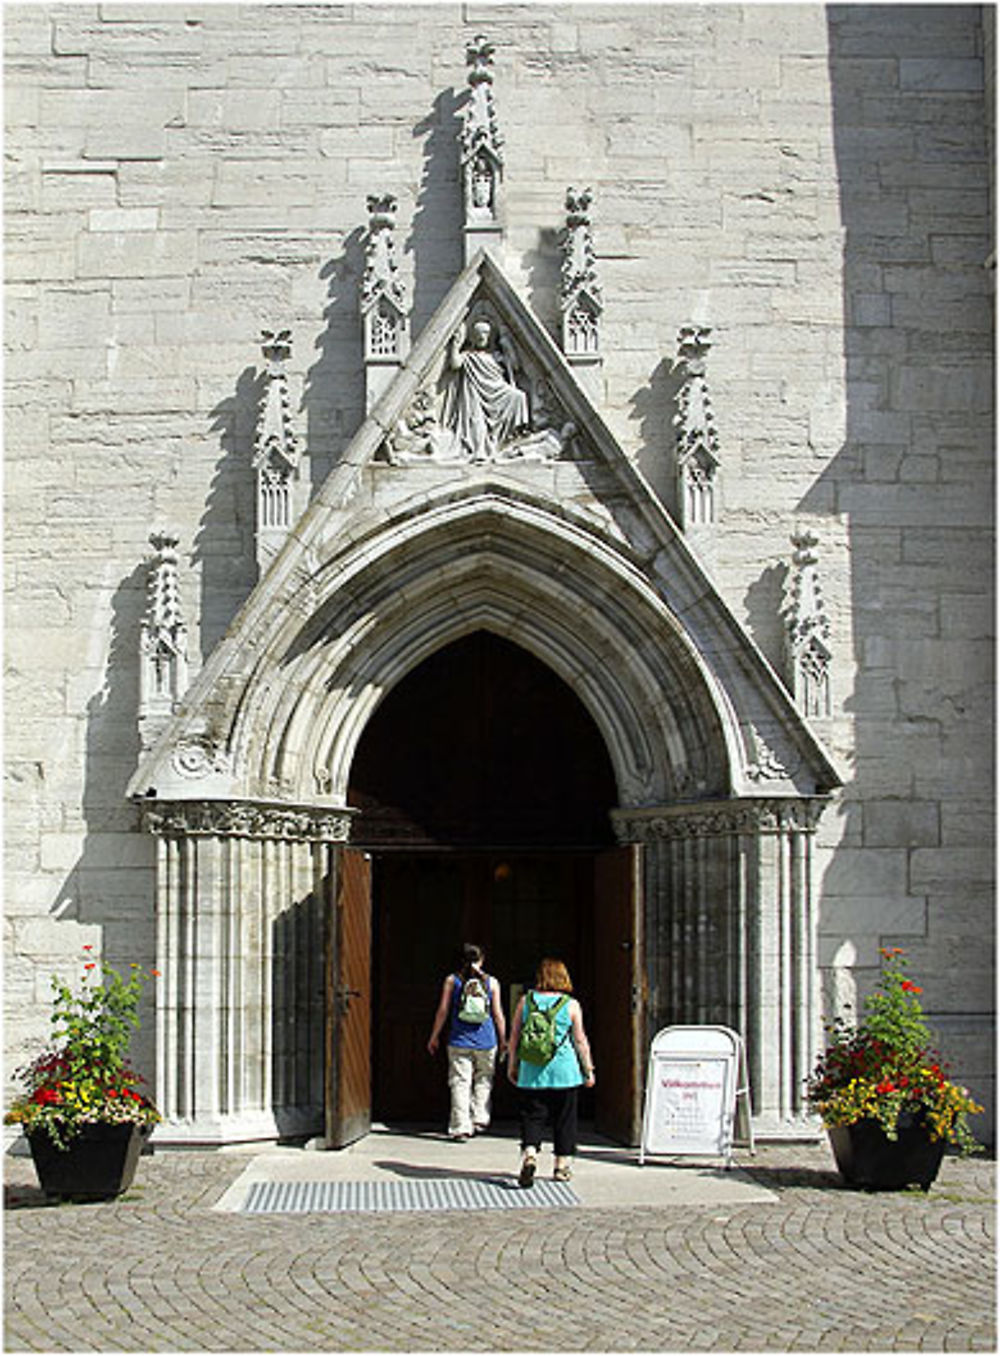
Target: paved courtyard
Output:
[(774, 1256)]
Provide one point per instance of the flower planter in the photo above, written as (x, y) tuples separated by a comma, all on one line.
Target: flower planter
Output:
[(867, 1158), (97, 1163)]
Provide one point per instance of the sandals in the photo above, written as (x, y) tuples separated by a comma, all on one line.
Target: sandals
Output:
[(563, 1173), (526, 1177)]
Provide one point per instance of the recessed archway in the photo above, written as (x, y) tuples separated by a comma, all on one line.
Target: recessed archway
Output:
[(482, 745), (485, 791)]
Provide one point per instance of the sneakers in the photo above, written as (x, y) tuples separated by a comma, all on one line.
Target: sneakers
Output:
[(526, 1177)]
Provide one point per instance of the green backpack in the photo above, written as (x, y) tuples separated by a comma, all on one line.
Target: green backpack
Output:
[(538, 1042)]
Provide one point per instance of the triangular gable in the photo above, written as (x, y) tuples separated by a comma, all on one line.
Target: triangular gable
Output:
[(653, 540)]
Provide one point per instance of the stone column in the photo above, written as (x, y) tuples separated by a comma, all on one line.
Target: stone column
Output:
[(731, 935), (243, 894)]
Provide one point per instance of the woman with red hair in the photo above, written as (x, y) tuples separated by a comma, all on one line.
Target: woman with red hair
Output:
[(549, 1091)]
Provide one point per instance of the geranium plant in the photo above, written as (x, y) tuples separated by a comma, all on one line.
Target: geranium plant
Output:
[(84, 1077), (885, 1069)]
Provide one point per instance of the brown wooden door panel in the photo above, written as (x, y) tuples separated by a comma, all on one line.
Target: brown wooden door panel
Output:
[(349, 1003), (618, 974)]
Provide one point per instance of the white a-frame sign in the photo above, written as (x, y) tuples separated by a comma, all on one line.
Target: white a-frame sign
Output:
[(697, 1079)]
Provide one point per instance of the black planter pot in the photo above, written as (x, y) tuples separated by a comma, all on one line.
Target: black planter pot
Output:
[(97, 1163), (867, 1158)]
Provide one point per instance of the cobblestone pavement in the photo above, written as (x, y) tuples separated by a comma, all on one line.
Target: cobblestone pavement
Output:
[(818, 1268)]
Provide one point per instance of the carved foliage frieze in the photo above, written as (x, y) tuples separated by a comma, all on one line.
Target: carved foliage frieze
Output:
[(245, 819), (715, 819)]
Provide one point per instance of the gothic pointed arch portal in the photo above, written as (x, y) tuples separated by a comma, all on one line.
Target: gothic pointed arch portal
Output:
[(551, 540)]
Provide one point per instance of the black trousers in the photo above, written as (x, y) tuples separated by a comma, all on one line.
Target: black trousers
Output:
[(556, 1106)]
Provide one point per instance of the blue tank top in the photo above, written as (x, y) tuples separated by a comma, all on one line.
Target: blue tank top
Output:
[(470, 1035), (563, 1069)]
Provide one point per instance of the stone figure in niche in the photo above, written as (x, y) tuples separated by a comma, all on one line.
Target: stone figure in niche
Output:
[(484, 406), (417, 434)]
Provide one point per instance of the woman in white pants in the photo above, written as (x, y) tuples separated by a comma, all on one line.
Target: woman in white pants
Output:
[(470, 1004)]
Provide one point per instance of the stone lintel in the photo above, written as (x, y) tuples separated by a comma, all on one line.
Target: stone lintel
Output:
[(248, 819), (719, 818)]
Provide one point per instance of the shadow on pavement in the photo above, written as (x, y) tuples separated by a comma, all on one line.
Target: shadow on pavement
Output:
[(507, 1180)]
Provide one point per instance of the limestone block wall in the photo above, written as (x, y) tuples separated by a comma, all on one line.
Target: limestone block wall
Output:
[(812, 183)]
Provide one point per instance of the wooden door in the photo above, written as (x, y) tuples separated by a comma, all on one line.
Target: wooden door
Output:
[(348, 1003), (619, 994)]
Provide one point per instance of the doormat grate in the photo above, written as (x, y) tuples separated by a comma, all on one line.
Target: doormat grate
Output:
[(431, 1193)]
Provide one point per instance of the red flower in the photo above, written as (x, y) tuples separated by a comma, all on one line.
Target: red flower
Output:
[(89, 966), (88, 947), (909, 987), (885, 1086)]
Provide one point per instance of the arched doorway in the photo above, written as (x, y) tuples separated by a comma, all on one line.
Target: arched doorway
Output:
[(484, 791)]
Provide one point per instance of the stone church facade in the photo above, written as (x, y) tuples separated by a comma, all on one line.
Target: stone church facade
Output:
[(516, 472)]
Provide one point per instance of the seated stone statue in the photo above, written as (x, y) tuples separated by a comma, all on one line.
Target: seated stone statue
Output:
[(483, 406)]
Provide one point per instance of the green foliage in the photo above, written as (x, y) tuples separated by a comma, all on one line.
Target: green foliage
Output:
[(84, 1077), (884, 1068)]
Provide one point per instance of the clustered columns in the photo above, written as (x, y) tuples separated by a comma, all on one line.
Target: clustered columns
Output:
[(383, 314), (244, 892), (580, 298), (697, 440), (481, 156), (807, 630), (731, 935), (163, 666), (277, 456)]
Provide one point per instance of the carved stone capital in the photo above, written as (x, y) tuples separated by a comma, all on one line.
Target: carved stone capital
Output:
[(717, 819), (247, 819)]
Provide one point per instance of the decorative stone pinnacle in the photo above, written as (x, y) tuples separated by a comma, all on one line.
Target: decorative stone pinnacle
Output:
[(481, 134), (580, 297), (807, 629), (380, 275), (163, 610), (695, 419), (274, 422), (276, 345), (579, 265), (479, 55), (693, 344), (697, 455), (162, 639)]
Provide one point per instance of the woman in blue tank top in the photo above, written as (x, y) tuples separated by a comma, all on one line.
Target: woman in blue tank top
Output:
[(549, 1091), (470, 1005)]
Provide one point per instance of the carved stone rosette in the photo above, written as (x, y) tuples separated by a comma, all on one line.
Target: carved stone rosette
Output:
[(807, 630), (731, 925), (697, 440), (163, 669)]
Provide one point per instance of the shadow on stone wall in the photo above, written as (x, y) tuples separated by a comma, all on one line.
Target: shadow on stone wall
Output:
[(224, 543), (652, 410), (912, 169), (333, 394), (111, 886), (435, 239)]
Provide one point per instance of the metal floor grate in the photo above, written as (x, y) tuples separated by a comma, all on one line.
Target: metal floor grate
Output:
[(429, 1193)]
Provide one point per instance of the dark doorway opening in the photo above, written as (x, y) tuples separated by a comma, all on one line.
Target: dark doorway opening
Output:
[(482, 745), (484, 790)]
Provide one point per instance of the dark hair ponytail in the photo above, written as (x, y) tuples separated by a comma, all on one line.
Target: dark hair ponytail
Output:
[(472, 955)]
